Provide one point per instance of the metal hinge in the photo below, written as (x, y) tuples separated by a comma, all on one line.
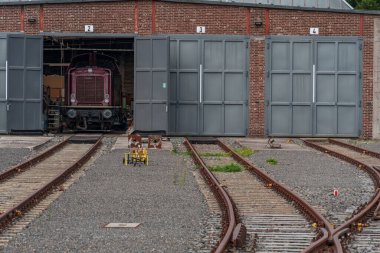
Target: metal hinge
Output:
[(268, 45), (268, 74), (246, 44), (267, 102), (246, 74), (360, 75), (360, 103), (360, 46)]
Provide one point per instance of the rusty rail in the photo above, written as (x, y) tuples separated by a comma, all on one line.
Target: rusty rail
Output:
[(355, 148), (32, 161), (229, 219), (307, 209), (374, 174), (34, 198)]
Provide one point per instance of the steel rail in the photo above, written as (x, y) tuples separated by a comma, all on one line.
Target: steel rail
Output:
[(32, 161), (325, 226), (38, 195), (355, 148), (222, 197), (365, 210)]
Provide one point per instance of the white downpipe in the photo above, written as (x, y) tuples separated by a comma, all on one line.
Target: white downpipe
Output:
[(314, 83), (200, 83)]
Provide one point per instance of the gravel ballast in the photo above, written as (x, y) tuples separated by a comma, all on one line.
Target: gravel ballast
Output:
[(163, 197), (13, 156), (314, 176)]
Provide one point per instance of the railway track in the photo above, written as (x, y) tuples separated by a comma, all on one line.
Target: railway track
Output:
[(276, 220), (364, 225), (26, 184)]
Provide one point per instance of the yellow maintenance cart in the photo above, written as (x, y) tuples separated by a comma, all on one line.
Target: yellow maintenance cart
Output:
[(136, 156)]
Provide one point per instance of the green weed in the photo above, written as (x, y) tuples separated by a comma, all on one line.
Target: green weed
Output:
[(215, 154), (272, 161), (232, 167), (244, 151)]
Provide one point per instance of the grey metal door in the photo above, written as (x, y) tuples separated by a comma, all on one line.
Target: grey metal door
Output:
[(313, 86), (184, 86), (3, 84), (151, 83), (337, 89), (21, 77), (208, 94)]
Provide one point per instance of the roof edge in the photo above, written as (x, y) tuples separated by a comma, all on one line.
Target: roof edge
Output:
[(270, 6), (252, 5)]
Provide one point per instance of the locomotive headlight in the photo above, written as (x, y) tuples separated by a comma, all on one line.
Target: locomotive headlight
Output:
[(106, 98), (107, 113), (71, 113), (72, 98)]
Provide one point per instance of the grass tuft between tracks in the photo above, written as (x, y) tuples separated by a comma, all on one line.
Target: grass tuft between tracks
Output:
[(272, 161), (177, 152), (232, 167), (215, 154), (244, 151)]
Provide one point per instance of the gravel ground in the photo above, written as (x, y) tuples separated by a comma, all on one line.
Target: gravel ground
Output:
[(14, 156), (314, 176), (163, 197)]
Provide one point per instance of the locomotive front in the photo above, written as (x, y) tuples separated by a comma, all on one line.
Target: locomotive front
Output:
[(92, 102)]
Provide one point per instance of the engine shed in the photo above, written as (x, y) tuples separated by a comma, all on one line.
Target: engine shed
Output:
[(200, 68)]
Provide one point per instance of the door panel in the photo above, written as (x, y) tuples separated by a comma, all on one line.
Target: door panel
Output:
[(151, 83), (3, 74), (184, 79), (290, 91), (339, 66), (24, 82), (233, 119), (224, 86)]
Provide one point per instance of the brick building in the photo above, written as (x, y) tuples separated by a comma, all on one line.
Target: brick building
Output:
[(205, 67)]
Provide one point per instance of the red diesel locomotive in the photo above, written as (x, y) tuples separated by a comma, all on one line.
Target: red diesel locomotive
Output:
[(93, 94)]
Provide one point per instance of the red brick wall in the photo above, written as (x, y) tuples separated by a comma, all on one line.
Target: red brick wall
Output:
[(178, 18), (10, 18), (181, 18), (367, 88), (286, 22), (32, 11), (116, 17), (257, 87)]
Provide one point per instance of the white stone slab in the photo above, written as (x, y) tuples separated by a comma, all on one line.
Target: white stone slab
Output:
[(122, 225)]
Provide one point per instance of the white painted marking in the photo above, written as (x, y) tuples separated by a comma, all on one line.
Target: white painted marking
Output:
[(122, 225)]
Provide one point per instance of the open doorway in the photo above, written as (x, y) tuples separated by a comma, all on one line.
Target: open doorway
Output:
[(88, 83)]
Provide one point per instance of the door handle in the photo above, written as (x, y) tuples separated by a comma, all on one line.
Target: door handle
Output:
[(200, 83), (314, 83), (6, 81)]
